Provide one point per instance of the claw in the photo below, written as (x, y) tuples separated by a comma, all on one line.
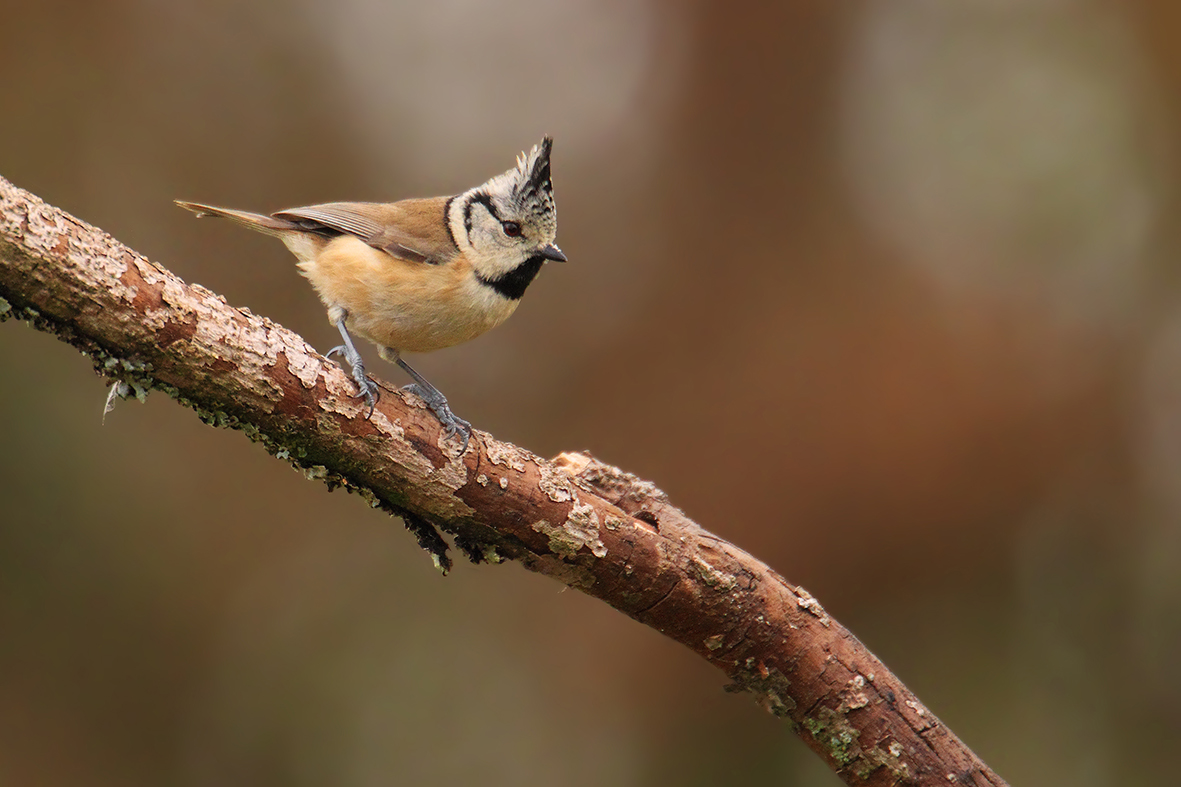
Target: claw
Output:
[(457, 427), (366, 388), (453, 425)]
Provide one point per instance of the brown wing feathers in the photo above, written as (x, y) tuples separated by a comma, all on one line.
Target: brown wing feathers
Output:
[(352, 218), (412, 230)]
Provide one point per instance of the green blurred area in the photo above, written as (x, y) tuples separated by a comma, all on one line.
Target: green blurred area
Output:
[(884, 293)]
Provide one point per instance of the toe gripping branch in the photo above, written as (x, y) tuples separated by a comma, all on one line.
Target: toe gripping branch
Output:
[(438, 403), (366, 387)]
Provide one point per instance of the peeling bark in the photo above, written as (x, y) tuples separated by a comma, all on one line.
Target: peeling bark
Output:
[(586, 524)]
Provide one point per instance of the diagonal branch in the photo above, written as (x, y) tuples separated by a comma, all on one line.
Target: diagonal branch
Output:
[(584, 523)]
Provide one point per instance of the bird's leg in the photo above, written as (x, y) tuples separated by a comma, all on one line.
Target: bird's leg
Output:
[(366, 388), (435, 400)]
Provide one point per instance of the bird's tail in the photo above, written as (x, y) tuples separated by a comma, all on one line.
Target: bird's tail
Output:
[(267, 225)]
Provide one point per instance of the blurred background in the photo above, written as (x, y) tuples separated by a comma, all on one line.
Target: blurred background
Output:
[(884, 292)]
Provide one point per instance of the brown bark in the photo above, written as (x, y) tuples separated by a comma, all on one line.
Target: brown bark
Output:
[(584, 523)]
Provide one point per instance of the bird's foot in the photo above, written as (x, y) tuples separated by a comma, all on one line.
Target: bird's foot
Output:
[(453, 425), (366, 387)]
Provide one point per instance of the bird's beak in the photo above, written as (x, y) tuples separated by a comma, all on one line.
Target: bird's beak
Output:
[(552, 252)]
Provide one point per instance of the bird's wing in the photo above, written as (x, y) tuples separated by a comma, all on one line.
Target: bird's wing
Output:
[(412, 230)]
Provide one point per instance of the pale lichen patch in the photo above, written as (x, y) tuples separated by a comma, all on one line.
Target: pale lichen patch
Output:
[(343, 398), (482, 479), (581, 529), (148, 271), (451, 475), (807, 602), (719, 580), (855, 701), (503, 482), (556, 485), (853, 696), (505, 455), (584, 522), (304, 366)]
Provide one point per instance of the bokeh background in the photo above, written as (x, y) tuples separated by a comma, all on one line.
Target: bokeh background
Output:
[(885, 292)]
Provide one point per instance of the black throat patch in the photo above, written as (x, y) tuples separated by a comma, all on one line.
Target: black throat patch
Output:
[(513, 284)]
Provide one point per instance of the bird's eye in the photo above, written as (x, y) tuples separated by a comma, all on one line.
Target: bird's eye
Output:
[(511, 228)]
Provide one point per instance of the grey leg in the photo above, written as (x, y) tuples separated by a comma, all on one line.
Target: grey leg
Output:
[(366, 388), (438, 403)]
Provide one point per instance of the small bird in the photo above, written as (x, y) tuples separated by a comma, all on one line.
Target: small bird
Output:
[(421, 274)]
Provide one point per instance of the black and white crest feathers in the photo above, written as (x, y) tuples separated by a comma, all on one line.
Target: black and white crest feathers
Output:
[(527, 190), (537, 188)]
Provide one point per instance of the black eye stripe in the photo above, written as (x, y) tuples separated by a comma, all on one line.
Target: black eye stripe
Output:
[(511, 228), (483, 199)]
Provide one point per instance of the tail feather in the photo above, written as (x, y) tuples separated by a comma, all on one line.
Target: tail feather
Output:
[(267, 225)]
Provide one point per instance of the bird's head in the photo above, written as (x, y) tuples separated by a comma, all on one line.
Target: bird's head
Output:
[(507, 226)]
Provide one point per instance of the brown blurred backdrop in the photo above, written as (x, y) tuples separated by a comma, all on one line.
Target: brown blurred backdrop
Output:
[(884, 292)]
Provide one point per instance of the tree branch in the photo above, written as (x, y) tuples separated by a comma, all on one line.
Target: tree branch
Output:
[(584, 523)]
